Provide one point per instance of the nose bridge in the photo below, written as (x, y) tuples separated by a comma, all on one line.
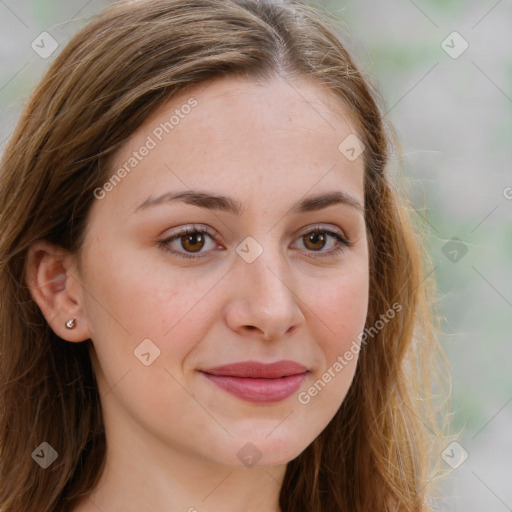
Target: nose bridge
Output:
[(263, 255), (271, 278), (265, 288)]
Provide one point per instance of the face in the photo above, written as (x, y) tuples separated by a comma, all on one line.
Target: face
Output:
[(218, 324)]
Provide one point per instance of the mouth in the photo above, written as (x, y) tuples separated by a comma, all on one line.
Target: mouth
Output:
[(258, 382)]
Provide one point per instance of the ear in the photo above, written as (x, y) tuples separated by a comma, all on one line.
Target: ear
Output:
[(52, 279)]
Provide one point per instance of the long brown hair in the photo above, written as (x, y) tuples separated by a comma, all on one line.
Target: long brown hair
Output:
[(131, 59)]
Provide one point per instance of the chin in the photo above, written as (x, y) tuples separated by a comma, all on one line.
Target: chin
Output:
[(259, 449)]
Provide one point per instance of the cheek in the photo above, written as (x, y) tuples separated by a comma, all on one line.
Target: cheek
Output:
[(341, 316), (145, 299), (132, 301), (342, 308)]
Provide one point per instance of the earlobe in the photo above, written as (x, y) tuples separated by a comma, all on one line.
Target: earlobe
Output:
[(49, 271)]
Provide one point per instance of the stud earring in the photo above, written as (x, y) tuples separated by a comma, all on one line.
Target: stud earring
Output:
[(70, 324)]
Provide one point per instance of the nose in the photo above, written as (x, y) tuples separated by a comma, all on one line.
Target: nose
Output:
[(263, 301)]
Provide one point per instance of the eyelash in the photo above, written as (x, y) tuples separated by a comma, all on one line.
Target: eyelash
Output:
[(164, 244)]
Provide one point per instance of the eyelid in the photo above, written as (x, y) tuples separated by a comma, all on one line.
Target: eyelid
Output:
[(185, 230), (327, 229), (334, 232)]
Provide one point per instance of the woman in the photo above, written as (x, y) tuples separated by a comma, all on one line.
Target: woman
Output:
[(212, 296)]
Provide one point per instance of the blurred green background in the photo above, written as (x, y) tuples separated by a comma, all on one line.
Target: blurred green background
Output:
[(453, 114)]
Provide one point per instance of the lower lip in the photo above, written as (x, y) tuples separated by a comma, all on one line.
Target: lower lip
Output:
[(259, 390)]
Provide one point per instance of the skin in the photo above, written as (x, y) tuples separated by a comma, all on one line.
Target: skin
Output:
[(173, 435)]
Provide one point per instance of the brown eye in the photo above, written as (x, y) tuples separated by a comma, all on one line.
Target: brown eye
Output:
[(317, 240), (188, 243), (192, 242)]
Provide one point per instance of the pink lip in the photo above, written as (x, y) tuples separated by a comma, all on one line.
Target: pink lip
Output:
[(259, 382)]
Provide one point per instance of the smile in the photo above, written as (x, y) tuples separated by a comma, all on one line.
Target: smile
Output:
[(259, 382)]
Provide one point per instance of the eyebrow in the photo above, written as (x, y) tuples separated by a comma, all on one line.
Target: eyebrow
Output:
[(212, 201)]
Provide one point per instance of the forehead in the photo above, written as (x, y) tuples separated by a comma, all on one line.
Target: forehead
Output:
[(280, 106), (242, 134), (303, 95)]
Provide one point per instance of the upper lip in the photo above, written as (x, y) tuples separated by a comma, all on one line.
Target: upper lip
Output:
[(256, 369)]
